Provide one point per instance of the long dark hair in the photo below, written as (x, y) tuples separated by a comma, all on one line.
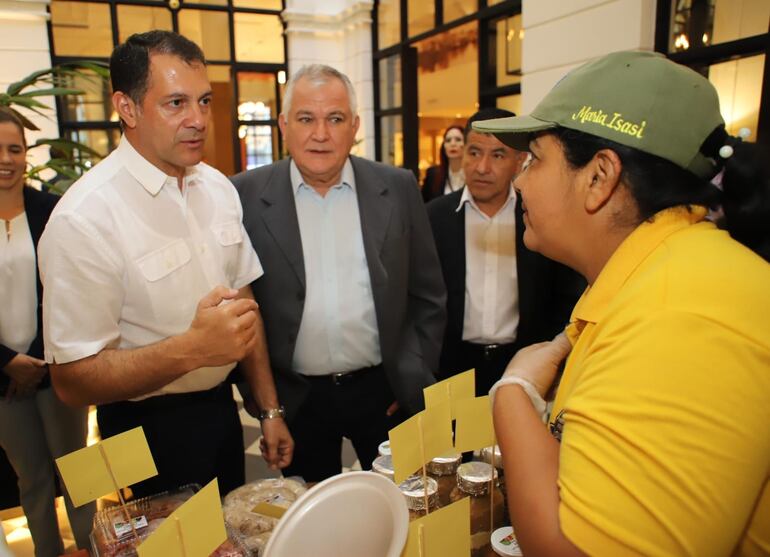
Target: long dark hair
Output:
[(657, 184), (443, 167)]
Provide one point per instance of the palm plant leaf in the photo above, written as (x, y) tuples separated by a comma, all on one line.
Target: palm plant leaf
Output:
[(73, 158)]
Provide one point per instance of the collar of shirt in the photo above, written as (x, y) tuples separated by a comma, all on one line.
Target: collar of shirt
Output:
[(468, 198), (150, 176), (629, 255), (347, 177)]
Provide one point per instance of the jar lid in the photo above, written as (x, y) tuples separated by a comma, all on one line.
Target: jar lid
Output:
[(486, 456), (474, 477), (384, 448), (383, 465), (414, 492), (444, 465), (504, 542)]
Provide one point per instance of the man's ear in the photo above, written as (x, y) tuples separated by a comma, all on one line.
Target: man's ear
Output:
[(282, 124), (603, 174), (126, 108)]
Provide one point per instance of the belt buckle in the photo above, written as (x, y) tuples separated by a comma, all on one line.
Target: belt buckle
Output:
[(338, 378), (489, 350)]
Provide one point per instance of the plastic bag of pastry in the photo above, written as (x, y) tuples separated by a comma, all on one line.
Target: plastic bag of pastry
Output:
[(113, 536), (250, 526)]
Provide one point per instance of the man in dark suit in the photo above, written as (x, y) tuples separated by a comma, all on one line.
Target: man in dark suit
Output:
[(352, 296), (500, 296)]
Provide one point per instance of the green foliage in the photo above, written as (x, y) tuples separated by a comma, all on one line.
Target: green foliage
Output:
[(69, 158)]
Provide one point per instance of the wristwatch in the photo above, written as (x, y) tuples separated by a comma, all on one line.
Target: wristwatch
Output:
[(271, 413)]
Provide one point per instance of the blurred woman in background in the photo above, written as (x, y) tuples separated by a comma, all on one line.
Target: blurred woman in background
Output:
[(35, 427), (447, 176)]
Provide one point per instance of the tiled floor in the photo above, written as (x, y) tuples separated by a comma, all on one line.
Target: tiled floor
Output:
[(14, 523)]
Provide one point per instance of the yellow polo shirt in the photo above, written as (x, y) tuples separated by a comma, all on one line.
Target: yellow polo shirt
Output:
[(664, 406)]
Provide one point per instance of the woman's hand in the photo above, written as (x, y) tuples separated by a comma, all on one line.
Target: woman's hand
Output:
[(539, 362), (26, 373)]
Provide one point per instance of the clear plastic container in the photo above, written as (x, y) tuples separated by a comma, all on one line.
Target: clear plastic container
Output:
[(254, 529), (112, 536)]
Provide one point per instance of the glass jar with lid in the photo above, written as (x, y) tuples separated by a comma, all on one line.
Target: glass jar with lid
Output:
[(473, 480), (414, 493), (444, 470), (383, 465), (486, 456)]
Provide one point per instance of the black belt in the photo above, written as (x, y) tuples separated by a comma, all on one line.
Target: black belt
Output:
[(344, 377), (490, 351)]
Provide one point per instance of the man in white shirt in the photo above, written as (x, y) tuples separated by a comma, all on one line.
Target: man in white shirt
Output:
[(500, 295), (353, 298), (146, 269)]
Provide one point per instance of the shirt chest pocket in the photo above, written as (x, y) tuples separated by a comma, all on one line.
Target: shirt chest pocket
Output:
[(163, 261), (229, 237), (169, 288), (228, 233)]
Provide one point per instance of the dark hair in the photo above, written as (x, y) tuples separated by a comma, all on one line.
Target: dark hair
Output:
[(657, 184), (485, 114), (130, 61), (8, 115)]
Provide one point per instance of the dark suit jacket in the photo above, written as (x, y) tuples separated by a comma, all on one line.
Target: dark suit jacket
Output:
[(38, 206), (409, 294), (547, 290), (433, 185)]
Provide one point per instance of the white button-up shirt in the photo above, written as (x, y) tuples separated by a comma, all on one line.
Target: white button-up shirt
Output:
[(18, 285), (338, 332), (491, 278), (126, 257)]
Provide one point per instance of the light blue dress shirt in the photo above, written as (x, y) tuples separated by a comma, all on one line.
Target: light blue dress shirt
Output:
[(338, 332)]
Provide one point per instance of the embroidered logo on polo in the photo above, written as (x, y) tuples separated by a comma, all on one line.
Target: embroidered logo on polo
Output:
[(614, 121), (557, 426)]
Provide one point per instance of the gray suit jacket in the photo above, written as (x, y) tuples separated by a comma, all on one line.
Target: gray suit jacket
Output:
[(407, 285)]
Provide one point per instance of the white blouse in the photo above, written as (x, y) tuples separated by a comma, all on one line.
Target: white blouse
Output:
[(18, 284), (454, 181)]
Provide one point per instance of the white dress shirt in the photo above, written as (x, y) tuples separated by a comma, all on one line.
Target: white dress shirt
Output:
[(18, 285), (126, 257), (491, 278), (338, 332)]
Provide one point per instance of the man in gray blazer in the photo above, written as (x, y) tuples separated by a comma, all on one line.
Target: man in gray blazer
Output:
[(352, 297)]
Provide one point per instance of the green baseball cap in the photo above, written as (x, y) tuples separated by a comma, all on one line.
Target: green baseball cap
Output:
[(638, 99)]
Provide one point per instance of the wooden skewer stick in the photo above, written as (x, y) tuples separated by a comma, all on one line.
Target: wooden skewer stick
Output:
[(421, 539), (492, 495), (424, 471), (120, 494), (181, 537)]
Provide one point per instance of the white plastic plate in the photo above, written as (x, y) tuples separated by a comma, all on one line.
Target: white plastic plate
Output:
[(355, 514)]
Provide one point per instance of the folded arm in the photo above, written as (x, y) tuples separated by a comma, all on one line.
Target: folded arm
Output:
[(219, 334)]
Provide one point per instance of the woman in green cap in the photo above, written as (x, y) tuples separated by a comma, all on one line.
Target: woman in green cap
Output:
[(658, 441)]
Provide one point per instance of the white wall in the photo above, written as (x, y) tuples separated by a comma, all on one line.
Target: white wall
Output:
[(337, 33), (559, 36), (23, 50)]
